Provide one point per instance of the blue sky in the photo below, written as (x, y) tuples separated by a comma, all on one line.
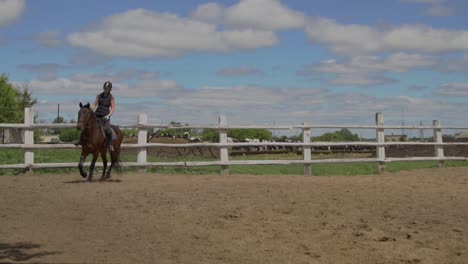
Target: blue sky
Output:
[(255, 61)]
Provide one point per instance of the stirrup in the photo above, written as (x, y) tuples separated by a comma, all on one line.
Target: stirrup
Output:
[(111, 148)]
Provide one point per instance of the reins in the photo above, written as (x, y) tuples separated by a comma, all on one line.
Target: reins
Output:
[(86, 125)]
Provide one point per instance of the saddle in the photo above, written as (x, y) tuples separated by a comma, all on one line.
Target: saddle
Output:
[(113, 133), (112, 129)]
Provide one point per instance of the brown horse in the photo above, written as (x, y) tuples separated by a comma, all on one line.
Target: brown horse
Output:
[(93, 141)]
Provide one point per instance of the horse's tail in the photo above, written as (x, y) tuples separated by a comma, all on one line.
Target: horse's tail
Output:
[(118, 162), (118, 165)]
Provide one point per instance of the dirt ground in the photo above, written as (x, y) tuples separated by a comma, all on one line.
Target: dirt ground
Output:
[(407, 217)]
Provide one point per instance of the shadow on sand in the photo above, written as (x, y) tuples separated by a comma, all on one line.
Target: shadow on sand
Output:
[(94, 181), (21, 251)]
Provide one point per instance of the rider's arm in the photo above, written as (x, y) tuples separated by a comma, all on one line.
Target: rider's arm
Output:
[(95, 104), (112, 108)]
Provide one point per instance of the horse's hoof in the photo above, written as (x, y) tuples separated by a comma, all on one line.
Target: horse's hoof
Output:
[(84, 175)]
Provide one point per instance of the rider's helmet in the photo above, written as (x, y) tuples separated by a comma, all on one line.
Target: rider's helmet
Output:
[(107, 85)]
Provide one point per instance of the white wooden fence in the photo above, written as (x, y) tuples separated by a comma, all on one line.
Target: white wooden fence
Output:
[(223, 145)]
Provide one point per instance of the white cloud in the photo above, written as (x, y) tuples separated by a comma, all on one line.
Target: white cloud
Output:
[(142, 33), (240, 71), (61, 86), (10, 11), (355, 39), (165, 101), (263, 14), (362, 80), (120, 76), (368, 70), (344, 38), (81, 84), (209, 12), (148, 89), (453, 90), (43, 69), (398, 62)]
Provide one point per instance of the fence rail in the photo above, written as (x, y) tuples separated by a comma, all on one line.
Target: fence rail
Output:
[(307, 160)]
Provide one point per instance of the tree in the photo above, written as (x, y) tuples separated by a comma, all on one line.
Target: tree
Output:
[(212, 135), (341, 135), (13, 100), (58, 120), (133, 132), (25, 98), (241, 134), (347, 135)]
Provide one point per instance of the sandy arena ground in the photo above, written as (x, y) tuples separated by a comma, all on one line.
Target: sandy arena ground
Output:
[(407, 217)]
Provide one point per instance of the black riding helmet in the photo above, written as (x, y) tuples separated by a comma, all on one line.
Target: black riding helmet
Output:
[(107, 85)]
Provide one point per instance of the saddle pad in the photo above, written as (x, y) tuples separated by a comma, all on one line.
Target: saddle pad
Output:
[(114, 134)]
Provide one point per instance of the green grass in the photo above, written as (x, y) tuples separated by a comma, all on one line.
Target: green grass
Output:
[(15, 156)]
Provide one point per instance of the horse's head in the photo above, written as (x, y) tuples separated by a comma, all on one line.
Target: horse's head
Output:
[(83, 116)]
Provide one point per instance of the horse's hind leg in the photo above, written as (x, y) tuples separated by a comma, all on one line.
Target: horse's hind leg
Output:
[(91, 167), (114, 160), (104, 163)]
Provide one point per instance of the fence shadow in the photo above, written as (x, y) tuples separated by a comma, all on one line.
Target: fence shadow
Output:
[(22, 251)]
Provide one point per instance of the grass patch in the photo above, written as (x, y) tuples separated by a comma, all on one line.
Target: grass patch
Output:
[(11, 156)]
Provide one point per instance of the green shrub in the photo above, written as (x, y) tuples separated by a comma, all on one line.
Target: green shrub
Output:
[(69, 135)]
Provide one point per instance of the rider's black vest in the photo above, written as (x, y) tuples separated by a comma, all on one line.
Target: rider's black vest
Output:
[(104, 104)]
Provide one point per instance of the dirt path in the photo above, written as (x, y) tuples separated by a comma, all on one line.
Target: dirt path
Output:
[(408, 217)]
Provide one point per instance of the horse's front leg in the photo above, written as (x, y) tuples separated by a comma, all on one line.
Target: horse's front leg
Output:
[(91, 167), (80, 165), (104, 163)]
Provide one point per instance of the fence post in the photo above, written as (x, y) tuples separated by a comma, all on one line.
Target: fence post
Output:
[(223, 151), (28, 137), (142, 139), (439, 150), (380, 137), (306, 150)]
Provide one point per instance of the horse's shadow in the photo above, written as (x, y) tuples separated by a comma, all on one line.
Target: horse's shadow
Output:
[(21, 251), (97, 181)]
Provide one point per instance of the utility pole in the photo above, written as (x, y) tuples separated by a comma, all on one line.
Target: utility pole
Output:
[(403, 121), (421, 131)]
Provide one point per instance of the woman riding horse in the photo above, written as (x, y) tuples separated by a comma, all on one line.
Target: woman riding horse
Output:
[(96, 133), (104, 107), (94, 142)]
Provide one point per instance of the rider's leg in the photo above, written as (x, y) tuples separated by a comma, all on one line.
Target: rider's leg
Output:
[(108, 132)]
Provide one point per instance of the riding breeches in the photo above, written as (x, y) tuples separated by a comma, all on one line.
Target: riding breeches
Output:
[(105, 123)]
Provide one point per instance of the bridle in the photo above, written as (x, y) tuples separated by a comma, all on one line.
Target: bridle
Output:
[(85, 124)]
